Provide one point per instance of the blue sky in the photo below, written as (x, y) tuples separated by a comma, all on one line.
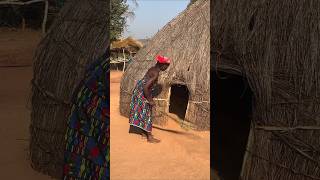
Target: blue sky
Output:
[(151, 16)]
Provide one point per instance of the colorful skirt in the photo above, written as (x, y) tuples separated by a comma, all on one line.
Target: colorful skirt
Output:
[(87, 137), (140, 109)]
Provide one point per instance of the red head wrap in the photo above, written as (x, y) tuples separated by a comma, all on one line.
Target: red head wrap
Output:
[(163, 59)]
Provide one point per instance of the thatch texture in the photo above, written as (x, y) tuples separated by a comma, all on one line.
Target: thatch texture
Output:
[(144, 41), (125, 43), (78, 37), (186, 41), (275, 44)]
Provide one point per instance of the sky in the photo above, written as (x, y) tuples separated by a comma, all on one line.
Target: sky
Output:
[(151, 16)]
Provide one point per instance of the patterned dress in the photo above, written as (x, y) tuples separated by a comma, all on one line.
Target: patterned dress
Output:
[(140, 109), (87, 136)]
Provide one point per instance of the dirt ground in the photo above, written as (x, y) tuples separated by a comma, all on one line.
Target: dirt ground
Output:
[(181, 154), (16, 49), (14, 129)]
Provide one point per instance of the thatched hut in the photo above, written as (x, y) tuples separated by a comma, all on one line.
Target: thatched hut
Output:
[(129, 44), (274, 47), (122, 52), (29, 13), (78, 36), (185, 85), (144, 41)]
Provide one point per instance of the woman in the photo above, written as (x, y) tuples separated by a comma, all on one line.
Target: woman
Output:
[(142, 101), (87, 136)]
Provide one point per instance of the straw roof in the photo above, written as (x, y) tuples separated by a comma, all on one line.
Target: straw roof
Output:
[(186, 41), (125, 43), (144, 41), (275, 44), (78, 36)]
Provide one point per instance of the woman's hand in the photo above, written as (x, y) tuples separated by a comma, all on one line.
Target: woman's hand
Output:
[(148, 86), (152, 103)]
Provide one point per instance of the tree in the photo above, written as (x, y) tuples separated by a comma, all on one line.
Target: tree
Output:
[(119, 14)]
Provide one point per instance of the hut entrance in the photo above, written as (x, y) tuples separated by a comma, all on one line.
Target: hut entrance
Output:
[(231, 126), (179, 97)]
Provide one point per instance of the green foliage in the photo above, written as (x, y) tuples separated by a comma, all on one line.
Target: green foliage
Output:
[(118, 18)]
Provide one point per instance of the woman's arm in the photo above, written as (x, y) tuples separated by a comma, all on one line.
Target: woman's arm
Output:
[(147, 87)]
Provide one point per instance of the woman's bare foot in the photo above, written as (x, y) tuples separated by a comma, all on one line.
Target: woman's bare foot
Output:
[(151, 139)]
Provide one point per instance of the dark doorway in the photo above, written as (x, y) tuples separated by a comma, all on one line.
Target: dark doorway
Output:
[(231, 123), (179, 98)]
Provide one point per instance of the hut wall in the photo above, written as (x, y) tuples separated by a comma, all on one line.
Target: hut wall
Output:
[(196, 113), (78, 37), (159, 116), (276, 45), (186, 40)]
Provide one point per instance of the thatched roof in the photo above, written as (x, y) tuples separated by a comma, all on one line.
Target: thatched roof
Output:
[(275, 44), (78, 36), (144, 41), (125, 43), (186, 41)]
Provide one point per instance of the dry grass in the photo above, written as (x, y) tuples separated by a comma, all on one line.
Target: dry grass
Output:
[(186, 41), (78, 36), (124, 43), (275, 44)]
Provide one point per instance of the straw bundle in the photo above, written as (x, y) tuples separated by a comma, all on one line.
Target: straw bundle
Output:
[(78, 36), (124, 43), (186, 41), (275, 44)]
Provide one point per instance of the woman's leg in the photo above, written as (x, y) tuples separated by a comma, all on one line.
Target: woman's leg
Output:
[(144, 134), (136, 130)]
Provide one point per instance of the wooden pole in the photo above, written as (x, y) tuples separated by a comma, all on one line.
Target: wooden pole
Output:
[(246, 164), (23, 24), (124, 60), (14, 2), (45, 16)]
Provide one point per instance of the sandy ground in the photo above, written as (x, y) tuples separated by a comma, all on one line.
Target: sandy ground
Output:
[(14, 114), (17, 47), (181, 154), (14, 129)]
